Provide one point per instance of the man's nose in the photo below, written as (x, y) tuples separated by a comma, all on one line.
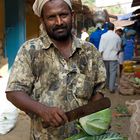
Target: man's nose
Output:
[(58, 20)]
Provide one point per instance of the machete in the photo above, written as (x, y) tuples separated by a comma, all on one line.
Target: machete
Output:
[(87, 109)]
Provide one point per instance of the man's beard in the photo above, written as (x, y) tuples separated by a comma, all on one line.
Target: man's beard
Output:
[(57, 35)]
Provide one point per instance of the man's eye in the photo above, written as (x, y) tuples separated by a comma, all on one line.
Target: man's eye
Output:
[(50, 17), (63, 15)]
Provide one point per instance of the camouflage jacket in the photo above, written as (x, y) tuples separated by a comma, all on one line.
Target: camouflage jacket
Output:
[(41, 71)]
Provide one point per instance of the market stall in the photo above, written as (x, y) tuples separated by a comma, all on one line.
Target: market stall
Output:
[(129, 82)]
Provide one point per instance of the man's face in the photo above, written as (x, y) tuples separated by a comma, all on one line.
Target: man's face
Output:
[(57, 19), (119, 33)]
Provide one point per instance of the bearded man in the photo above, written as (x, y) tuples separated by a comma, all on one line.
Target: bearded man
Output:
[(55, 73)]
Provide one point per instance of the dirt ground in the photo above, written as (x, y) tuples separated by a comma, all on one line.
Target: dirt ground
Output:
[(119, 124)]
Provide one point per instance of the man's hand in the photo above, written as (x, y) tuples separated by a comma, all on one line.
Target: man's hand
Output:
[(52, 116), (96, 97)]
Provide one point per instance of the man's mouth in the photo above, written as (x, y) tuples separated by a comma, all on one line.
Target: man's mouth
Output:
[(60, 29)]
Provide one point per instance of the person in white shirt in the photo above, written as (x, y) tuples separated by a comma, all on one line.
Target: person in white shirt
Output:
[(109, 47), (84, 34), (119, 32)]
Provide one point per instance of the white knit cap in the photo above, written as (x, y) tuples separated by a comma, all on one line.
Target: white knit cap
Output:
[(38, 5)]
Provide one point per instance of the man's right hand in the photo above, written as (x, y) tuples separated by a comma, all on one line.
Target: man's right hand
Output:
[(52, 116)]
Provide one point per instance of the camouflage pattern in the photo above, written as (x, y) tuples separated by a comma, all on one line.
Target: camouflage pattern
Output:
[(41, 71)]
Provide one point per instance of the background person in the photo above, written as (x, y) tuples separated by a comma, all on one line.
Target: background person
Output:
[(129, 44), (55, 73), (95, 36), (101, 20), (109, 47), (84, 34), (119, 32)]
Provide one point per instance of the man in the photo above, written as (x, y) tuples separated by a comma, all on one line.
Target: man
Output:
[(55, 73), (109, 47), (95, 36), (129, 44), (119, 32), (101, 20)]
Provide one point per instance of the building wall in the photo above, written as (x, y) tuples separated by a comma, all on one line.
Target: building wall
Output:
[(1, 28), (32, 24), (1, 19), (14, 28)]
